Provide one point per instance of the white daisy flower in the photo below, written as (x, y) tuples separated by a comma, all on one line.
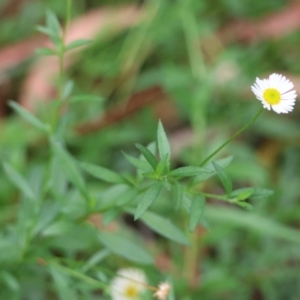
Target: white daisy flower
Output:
[(162, 291), (276, 93), (129, 284)]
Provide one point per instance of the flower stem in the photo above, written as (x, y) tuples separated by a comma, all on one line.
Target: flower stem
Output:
[(232, 137)]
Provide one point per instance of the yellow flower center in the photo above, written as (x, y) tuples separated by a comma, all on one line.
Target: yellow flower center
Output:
[(131, 292), (272, 96)]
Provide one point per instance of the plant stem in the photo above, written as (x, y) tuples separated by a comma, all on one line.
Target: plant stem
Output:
[(61, 53), (89, 280), (201, 83), (68, 16), (232, 137)]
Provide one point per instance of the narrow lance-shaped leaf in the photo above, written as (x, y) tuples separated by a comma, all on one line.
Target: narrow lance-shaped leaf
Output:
[(138, 163), (86, 98), (151, 159), (123, 247), (163, 142), (62, 284), (30, 118), (260, 193), (163, 165), (189, 171), (52, 22), (252, 222), (45, 30), (102, 173), (67, 90), (55, 28), (70, 167), (177, 191), (10, 280), (224, 177), (110, 215), (223, 162), (94, 260), (164, 227), (242, 194), (77, 43), (45, 51), (148, 198), (196, 211), (252, 193), (19, 181)]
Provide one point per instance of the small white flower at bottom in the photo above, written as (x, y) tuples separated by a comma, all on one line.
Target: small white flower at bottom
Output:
[(129, 284), (275, 92), (162, 291)]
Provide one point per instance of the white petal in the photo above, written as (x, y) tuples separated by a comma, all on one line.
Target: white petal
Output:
[(283, 85)]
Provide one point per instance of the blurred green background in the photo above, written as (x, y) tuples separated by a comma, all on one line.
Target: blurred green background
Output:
[(191, 64)]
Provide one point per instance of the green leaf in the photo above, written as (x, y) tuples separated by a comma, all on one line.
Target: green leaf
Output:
[(196, 211), (190, 171), (94, 260), (45, 30), (151, 159), (124, 247), (163, 142), (164, 227), (45, 51), (30, 118), (67, 90), (102, 173), (110, 215), (177, 191), (70, 167), (163, 166), (224, 177), (138, 163), (62, 283), (10, 280), (52, 22), (242, 194), (252, 193), (251, 222), (245, 205), (54, 30), (19, 181), (127, 197), (148, 198), (86, 98), (260, 193), (58, 228), (109, 197), (223, 162), (77, 43)]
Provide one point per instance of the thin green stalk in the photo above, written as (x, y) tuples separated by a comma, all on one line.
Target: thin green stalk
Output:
[(190, 30), (219, 197), (68, 16), (61, 71), (89, 280), (199, 72), (232, 137), (191, 258), (61, 54)]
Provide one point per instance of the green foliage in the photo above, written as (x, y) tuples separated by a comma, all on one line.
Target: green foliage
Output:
[(76, 208), (196, 211), (124, 247), (164, 227)]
